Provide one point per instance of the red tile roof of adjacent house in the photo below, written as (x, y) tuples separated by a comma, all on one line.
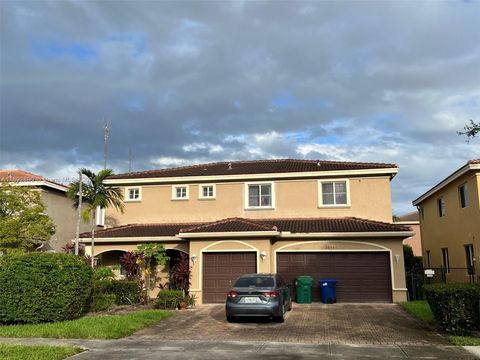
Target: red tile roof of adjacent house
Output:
[(254, 167), (474, 161), (21, 176), (296, 225), (18, 175)]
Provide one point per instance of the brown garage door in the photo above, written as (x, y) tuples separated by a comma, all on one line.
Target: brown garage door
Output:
[(361, 276), (221, 269)]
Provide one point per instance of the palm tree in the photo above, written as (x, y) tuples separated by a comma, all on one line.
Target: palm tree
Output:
[(95, 194)]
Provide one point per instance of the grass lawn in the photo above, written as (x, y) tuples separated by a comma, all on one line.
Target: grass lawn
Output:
[(36, 352), (419, 309), (464, 340), (89, 327)]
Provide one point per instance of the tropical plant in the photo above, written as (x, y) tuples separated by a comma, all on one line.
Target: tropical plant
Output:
[(129, 262), (95, 194), (148, 257), (23, 222), (180, 273), (471, 130)]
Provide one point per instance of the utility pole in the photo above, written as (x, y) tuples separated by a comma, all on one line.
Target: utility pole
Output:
[(79, 215), (129, 159), (107, 127)]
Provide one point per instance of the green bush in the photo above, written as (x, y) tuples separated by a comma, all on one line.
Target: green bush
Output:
[(127, 292), (43, 287), (169, 299), (103, 302), (455, 306)]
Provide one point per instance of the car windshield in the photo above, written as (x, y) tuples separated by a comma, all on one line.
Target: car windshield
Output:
[(260, 281)]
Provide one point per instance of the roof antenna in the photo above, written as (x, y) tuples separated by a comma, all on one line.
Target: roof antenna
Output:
[(129, 160), (229, 166), (107, 127)]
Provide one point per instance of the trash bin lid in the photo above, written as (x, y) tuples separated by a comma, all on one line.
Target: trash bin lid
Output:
[(329, 282), (305, 280)]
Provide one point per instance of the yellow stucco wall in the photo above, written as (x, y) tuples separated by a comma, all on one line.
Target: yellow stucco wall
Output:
[(370, 198), (459, 226)]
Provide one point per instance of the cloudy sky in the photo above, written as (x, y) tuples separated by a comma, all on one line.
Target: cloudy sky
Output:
[(189, 82)]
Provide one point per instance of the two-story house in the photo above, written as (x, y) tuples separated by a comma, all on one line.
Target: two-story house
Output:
[(58, 206), (330, 220), (450, 225)]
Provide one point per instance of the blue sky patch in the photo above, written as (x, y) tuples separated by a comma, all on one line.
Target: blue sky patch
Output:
[(57, 50)]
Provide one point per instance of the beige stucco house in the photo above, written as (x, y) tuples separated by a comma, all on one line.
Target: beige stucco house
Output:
[(293, 217), (59, 206), (411, 220), (450, 225)]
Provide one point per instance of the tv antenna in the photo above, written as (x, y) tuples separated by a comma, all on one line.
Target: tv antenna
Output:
[(107, 127)]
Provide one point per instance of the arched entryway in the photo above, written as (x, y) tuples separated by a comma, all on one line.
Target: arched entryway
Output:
[(111, 258)]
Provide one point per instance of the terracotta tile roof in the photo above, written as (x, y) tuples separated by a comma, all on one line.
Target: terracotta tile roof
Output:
[(346, 224), (474, 161), (140, 230), (296, 225), (230, 225), (254, 167), (18, 175)]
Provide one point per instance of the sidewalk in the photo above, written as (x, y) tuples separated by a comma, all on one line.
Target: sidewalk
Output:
[(126, 349)]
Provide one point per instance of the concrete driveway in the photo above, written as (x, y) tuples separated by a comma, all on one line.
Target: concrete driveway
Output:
[(376, 324)]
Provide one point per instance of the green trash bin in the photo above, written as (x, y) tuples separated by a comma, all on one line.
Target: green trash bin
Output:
[(303, 287)]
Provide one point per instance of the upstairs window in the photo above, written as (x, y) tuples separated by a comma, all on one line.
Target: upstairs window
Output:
[(206, 192), (133, 194), (429, 259), (445, 260), (180, 192), (470, 258), (441, 206), (260, 195), (464, 195), (334, 193)]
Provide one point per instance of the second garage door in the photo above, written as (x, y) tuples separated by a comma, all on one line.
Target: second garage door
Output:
[(221, 269), (361, 276)]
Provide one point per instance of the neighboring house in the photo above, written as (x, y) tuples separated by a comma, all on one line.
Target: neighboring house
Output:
[(59, 207), (411, 220), (450, 224), (331, 220)]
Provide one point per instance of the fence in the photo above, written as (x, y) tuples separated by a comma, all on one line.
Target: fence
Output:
[(416, 278)]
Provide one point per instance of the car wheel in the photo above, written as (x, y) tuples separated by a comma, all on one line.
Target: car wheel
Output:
[(281, 318), (230, 319)]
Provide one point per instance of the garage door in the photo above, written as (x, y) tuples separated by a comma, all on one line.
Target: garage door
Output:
[(221, 269), (362, 276)]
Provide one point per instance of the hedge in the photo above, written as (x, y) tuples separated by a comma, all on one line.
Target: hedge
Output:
[(127, 292), (43, 287), (169, 299), (455, 306)]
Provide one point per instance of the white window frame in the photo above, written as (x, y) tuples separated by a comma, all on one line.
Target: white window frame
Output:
[(466, 195), (127, 194), (272, 187), (174, 192), (320, 193), (441, 207), (200, 192)]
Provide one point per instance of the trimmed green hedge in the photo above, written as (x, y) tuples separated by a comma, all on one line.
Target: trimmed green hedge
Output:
[(169, 299), (126, 292), (43, 287), (455, 306)]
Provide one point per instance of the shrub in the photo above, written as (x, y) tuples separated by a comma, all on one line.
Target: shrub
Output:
[(43, 287), (126, 292), (103, 273), (169, 299), (455, 306), (103, 302)]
